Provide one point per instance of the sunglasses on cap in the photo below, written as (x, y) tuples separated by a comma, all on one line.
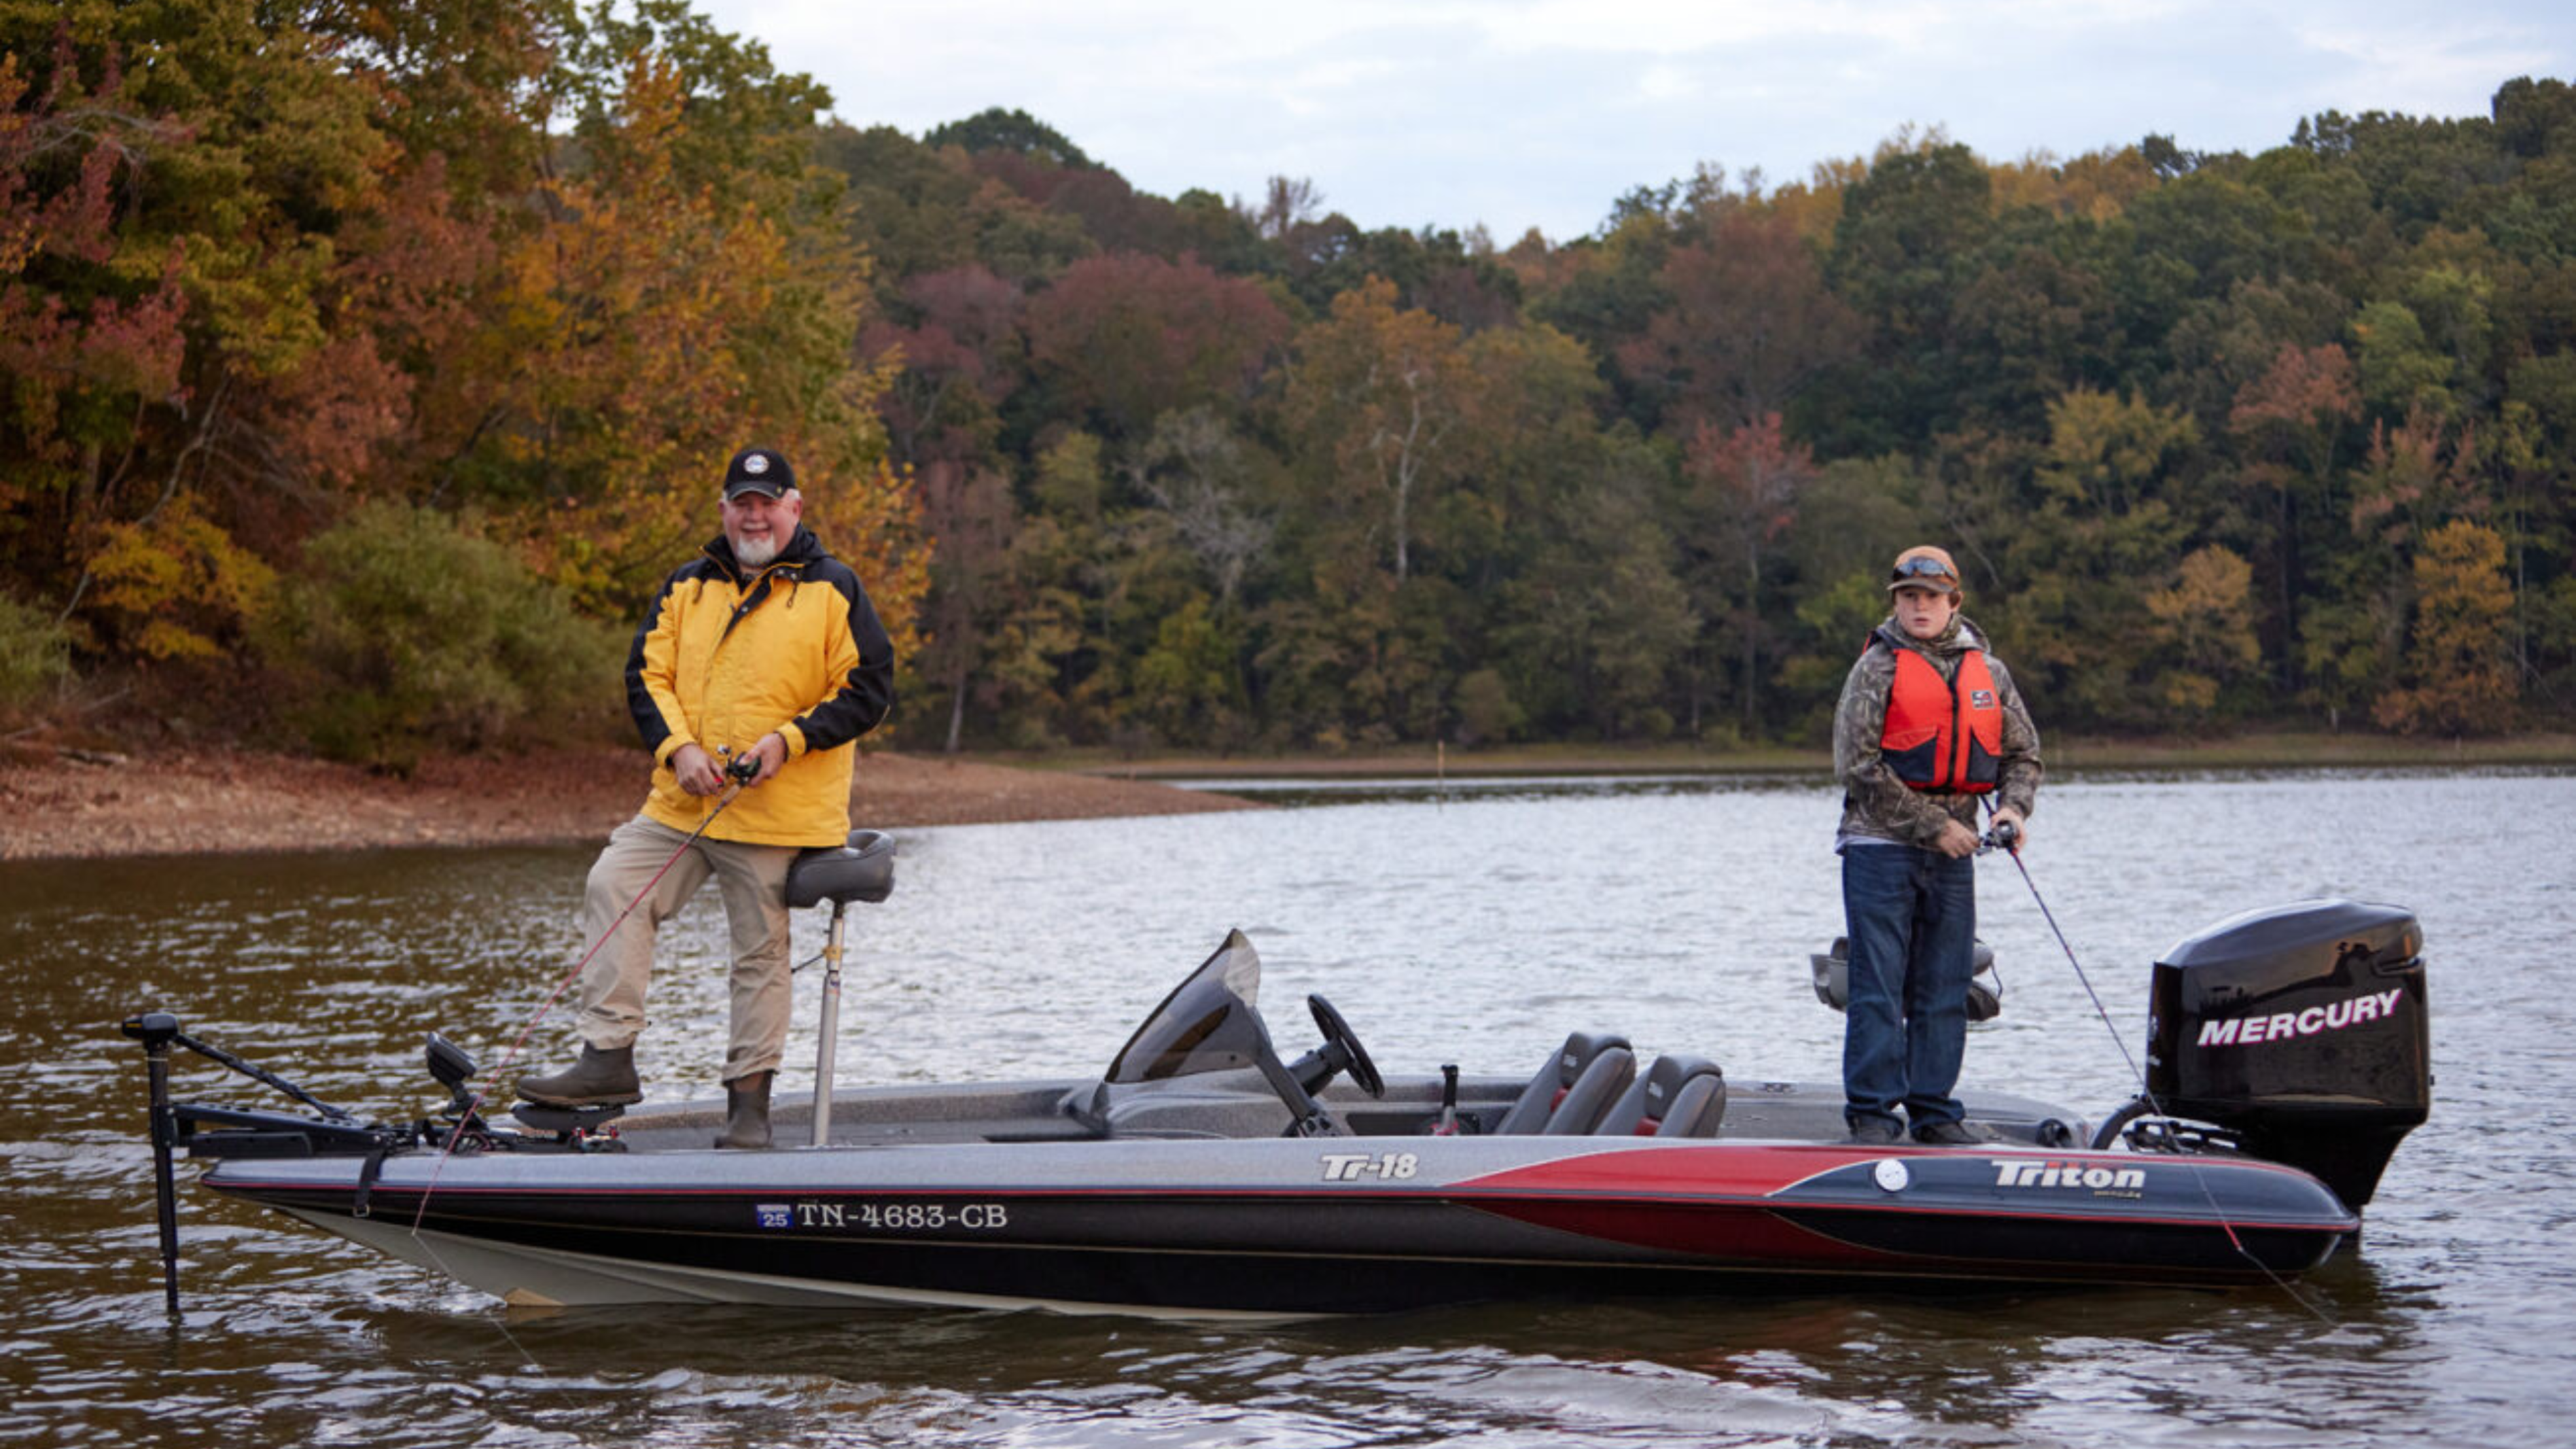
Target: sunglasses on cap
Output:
[(1919, 568)]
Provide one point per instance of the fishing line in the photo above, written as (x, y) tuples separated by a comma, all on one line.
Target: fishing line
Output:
[(2010, 846), (2099, 1010), (511, 1058)]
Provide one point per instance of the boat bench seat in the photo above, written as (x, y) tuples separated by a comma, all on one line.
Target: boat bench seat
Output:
[(1679, 1096), (1579, 1083)]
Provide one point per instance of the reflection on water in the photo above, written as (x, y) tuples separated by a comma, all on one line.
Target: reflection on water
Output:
[(1478, 928)]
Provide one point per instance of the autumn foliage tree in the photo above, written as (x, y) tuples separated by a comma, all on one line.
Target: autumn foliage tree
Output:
[(1746, 326), (1377, 393), (85, 337), (2460, 675), (2291, 419), (1745, 483), (1128, 338), (292, 294), (2203, 627), (646, 335), (264, 265)]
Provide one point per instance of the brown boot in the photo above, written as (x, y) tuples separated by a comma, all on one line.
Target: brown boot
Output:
[(747, 1111), (599, 1079)]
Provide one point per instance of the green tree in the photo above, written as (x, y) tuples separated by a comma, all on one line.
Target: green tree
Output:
[(2106, 489), (2400, 371), (1743, 487), (35, 654), (1376, 397), (1596, 620), (1908, 240), (407, 632), (2290, 421), (1015, 132)]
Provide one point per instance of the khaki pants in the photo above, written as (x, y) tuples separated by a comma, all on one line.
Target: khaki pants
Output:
[(753, 881)]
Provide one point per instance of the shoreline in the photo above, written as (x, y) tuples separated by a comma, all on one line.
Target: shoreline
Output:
[(2073, 755), (89, 805)]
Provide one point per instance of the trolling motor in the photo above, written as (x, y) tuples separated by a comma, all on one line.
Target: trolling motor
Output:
[(209, 1131), (236, 1133), (862, 869)]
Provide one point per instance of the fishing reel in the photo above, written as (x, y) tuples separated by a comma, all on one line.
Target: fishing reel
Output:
[(2004, 836)]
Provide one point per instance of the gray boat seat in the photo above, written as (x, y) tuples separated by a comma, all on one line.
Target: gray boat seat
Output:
[(861, 870), (1569, 1094), (1677, 1097)]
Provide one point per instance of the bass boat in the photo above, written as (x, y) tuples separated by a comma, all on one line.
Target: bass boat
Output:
[(1201, 1175)]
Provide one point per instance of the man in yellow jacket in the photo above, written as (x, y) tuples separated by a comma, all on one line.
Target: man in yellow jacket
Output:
[(763, 649)]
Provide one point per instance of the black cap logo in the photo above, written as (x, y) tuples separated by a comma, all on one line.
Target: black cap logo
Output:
[(758, 470)]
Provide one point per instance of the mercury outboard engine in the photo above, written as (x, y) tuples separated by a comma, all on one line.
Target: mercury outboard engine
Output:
[(2301, 1031)]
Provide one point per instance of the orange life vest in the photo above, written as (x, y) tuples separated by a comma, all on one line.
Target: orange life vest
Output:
[(1943, 734)]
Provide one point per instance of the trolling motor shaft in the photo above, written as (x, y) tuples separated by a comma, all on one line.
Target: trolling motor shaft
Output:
[(156, 1030)]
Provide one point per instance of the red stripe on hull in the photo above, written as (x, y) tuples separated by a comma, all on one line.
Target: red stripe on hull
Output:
[(1733, 1170), (1737, 1234)]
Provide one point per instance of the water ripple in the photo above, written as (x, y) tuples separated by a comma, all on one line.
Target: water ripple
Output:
[(1477, 930)]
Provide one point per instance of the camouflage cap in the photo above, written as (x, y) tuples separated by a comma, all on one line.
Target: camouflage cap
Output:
[(1924, 567)]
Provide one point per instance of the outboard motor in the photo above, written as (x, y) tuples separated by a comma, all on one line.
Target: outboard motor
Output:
[(2301, 1030)]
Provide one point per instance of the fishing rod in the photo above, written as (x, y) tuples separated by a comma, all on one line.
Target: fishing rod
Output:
[(160, 1031), (2005, 836), (740, 771)]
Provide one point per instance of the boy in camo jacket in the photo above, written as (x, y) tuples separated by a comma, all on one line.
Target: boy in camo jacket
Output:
[(1928, 725)]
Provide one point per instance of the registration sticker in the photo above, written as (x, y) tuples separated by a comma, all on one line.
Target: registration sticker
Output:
[(775, 1214)]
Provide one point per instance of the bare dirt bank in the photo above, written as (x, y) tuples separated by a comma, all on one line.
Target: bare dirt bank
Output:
[(218, 801)]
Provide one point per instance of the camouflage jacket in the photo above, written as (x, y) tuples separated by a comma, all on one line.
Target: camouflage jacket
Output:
[(1876, 804)]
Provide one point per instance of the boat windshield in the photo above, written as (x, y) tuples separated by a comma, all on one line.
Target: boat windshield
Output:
[(1210, 1023)]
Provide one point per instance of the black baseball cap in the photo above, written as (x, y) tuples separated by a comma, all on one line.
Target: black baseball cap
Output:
[(758, 470)]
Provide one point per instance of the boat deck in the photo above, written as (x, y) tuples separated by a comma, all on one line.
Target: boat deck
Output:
[(1043, 1111)]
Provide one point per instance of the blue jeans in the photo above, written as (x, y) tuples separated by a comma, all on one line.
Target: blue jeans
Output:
[(1911, 916)]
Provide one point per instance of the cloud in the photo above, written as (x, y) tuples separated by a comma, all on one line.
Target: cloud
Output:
[(1521, 112)]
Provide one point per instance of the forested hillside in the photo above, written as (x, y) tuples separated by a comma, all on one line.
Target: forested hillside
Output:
[(367, 364)]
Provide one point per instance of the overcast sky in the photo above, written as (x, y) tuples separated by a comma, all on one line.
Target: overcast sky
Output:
[(1522, 113)]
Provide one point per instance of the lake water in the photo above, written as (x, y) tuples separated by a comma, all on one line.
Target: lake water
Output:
[(1477, 928)]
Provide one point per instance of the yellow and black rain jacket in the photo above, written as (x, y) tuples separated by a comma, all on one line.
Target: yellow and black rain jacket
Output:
[(723, 658)]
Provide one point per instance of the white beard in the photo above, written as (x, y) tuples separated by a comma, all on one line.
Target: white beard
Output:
[(753, 553)]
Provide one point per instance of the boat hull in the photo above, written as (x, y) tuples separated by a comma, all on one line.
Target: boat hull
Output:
[(1281, 1227)]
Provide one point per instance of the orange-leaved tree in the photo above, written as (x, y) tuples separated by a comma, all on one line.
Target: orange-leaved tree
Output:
[(2459, 661), (2203, 627), (652, 328)]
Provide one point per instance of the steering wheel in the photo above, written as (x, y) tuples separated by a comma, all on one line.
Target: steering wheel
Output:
[(1337, 1033)]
